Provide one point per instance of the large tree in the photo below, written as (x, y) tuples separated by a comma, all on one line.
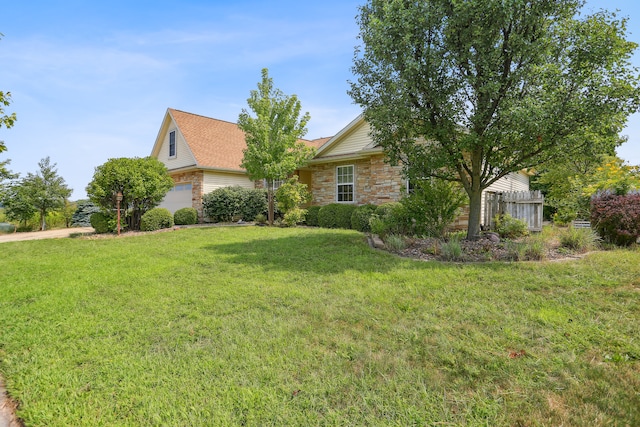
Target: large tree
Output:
[(274, 149), (143, 183), (470, 91), (41, 192)]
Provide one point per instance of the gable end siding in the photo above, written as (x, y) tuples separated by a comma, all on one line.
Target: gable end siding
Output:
[(183, 156), (353, 142)]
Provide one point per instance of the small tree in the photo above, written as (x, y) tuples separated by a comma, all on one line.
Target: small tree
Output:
[(143, 183), (45, 191), (18, 204), (274, 149)]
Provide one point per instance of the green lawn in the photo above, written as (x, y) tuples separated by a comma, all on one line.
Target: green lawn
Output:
[(264, 326)]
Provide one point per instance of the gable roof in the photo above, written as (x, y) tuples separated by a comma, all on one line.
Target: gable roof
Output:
[(214, 143)]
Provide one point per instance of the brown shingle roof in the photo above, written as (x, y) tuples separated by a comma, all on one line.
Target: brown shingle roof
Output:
[(216, 143)]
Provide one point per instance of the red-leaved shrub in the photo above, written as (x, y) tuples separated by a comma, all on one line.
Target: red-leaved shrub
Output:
[(616, 218)]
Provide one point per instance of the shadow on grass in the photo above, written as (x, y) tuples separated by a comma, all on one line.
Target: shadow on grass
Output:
[(328, 252), (325, 252)]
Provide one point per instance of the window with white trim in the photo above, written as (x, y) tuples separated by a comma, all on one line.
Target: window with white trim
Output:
[(276, 183), (345, 183), (172, 143)]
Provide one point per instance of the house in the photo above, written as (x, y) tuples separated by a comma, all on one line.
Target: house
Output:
[(203, 154)]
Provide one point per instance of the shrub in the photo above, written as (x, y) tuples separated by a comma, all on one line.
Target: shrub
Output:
[(579, 239), (101, 222), (232, 203), (361, 216), (293, 217), (389, 218), (510, 227), (261, 219), (616, 218), (290, 196), (335, 215), (312, 215), (185, 216), (156, 219), (432, 206)]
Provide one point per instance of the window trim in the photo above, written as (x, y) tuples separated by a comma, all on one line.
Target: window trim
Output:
[(175, 144), (352, 184)]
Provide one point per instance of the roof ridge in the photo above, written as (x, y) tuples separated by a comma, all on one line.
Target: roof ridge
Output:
[(204, 117)]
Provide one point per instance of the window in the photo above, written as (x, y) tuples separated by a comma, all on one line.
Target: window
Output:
[(172, 143), (276, 183), (345, 184), (182, 187)]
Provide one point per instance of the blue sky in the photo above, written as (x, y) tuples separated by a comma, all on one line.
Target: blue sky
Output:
[(92, 80)]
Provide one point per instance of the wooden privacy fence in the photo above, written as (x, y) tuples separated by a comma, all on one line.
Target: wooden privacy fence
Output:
[(525, 205)]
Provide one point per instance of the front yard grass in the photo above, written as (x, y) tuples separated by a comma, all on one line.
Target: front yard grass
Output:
[(265, 326)]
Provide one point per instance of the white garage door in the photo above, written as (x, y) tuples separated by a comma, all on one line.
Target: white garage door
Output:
[(178, 197)]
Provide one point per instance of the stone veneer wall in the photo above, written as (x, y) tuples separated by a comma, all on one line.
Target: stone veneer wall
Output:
[(197, 184), (375, 181)]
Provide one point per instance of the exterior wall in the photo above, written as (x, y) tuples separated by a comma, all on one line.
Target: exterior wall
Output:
[(214, 180), (196, 181), (355, 141), (375, 181), (183, 156)]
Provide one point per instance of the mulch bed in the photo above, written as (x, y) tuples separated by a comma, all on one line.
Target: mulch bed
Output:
[(486, 248)]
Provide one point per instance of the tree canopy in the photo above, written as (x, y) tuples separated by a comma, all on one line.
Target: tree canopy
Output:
[(143, 183), (6, 120), (470, 91), (42, 192), (274, 149)]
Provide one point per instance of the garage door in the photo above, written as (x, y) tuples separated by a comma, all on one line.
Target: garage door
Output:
[(178, 197)]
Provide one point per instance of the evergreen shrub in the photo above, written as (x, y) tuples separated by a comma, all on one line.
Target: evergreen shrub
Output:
[(156, 219), (233, 203), (101, 222), (185, 216), (361, 216), (312, 215), (336, 215)]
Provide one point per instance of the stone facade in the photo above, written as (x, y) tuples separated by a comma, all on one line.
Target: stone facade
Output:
[(196, 179), (376, 182)]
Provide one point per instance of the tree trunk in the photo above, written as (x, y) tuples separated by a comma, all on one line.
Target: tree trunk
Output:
[(271, 204), (43, 221), (475, 210)]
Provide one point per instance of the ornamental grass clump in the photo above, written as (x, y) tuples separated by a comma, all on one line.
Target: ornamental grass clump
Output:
[(579, 239)]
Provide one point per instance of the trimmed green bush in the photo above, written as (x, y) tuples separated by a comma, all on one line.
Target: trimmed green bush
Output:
[(185, 216), (361, 216), (234, 203), (101, 223), (390, 218), (312, 215), (156, 219), (336, 215)]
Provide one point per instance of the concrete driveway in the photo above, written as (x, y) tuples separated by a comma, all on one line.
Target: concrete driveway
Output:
[(47, 234)]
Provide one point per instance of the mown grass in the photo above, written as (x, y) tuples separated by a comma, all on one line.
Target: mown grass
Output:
[(264, 326)]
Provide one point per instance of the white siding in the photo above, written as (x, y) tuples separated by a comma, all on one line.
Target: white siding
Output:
[(213, 180), (351, 143), (515, 181), (183, 157)]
